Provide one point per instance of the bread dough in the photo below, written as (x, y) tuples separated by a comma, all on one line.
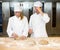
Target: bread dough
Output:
[(43, 42), (30, 42)]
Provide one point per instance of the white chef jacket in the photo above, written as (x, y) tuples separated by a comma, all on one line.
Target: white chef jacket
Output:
[(18, 26), (38, 24)]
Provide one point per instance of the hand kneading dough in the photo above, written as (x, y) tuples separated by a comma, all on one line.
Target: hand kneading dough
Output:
[(19, 38)]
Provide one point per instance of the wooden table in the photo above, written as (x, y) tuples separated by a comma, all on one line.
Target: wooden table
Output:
[(5, 43)]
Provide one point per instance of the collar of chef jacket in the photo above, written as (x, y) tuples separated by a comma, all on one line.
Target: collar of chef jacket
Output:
[(17, 17)]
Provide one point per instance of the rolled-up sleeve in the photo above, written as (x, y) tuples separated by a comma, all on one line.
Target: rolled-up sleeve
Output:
[(46, 18)]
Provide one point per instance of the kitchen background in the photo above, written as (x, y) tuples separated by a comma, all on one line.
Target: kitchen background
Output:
[(52, 7)]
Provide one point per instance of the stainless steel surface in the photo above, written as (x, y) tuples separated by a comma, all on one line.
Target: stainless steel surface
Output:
[(48, 10), (58, 18), (25, 6), (6, 15)]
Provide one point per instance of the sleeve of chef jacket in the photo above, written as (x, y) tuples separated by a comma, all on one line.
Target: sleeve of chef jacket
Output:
[(30, 23), (9, 28), (25, 29), (46, 18)]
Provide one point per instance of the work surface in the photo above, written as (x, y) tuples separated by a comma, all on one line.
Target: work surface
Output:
[(50, 43)]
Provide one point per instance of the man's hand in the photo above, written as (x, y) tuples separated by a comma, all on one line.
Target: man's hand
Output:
[(23, 37), (30, 31), (40, 11)]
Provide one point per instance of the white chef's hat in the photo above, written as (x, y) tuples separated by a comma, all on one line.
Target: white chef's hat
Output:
[(17, 9), (38, 4)]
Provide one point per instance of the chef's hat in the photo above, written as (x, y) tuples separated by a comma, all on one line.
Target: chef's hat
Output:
[(38, 4), (17, 9)]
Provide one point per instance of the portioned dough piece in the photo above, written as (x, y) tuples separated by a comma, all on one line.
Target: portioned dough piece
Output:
[(43, 42), (30, 42)]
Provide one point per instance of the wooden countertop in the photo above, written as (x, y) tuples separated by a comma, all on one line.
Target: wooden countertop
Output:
[(6, 44)]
